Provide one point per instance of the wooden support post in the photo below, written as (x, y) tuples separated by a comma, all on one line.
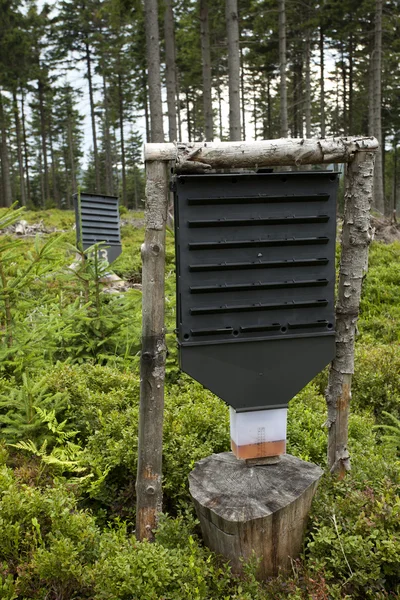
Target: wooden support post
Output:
[(353, 267), (261, 510), (198, 157), (152, 362)]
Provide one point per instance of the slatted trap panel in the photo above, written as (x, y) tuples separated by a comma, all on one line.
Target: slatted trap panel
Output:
[(97, 220), (255, 264)]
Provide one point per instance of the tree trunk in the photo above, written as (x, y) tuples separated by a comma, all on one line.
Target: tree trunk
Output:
[(56, 196), (344, 83), (242, 95), (255, 110), (68, 176), (43, 135), (394, 205), (232, 29), (122, 140), (26, 153), (351, 78), (295, 106), (19, 149), (353, 267), (206, 69), (307, 108), (153, 70), (322, 81), (42, 189), (282, 69), (269, 109), (371, 90), (153, 354), (379, 201), (219, 95), (146, 108), (93, 119), (5, 160), (170, 68), (109, 187), (254, 514), (188, 115), (178, 111), (71, 154)]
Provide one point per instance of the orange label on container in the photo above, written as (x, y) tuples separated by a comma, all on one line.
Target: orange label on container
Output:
[(260, 450)]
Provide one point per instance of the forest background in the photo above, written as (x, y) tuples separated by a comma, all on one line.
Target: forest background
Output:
[(73, 76)]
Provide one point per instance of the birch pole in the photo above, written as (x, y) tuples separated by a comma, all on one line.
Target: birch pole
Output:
[(152, 360), (353, 266)]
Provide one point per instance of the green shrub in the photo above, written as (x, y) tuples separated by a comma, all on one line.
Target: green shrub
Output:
[(376, 381), (380, 302), (306, 434), (49, 548), (355, 536)]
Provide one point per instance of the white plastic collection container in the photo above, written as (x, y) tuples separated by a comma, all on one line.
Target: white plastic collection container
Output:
[(258, 434)]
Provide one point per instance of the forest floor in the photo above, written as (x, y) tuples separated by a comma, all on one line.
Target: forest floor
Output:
[(386, 230), (69, 396)]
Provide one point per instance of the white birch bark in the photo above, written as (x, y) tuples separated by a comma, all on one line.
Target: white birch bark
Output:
[(153, 70), (206, 70), (232, 30), (203, 156), (356, 237)]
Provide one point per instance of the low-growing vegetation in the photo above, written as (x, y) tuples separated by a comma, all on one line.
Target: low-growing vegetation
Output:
[(69, 397)]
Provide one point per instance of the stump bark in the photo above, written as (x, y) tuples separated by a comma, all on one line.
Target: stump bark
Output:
[(261, 510)]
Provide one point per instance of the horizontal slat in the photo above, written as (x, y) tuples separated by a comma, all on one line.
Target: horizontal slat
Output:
[(309, 325), (99, 226), (106, 207), (258, 221), (259, 199), (258, 285), (222, 330), (99, 216), (258, 243), (259, 328), (92, 240), (208, 310), (260, 264), (89, 199)]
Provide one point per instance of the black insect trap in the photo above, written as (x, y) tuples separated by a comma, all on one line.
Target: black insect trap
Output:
[(255, 293), (97, 220)]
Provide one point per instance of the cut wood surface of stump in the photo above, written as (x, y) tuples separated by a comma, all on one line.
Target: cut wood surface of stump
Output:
[(259, 510)]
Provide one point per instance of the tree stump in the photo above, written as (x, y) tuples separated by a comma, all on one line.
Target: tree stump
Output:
[(262, 510)]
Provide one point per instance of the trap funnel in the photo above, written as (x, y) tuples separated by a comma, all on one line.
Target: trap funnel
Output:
[(255, 282)]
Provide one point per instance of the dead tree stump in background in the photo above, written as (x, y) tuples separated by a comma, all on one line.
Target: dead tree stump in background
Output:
[(260, 510)]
